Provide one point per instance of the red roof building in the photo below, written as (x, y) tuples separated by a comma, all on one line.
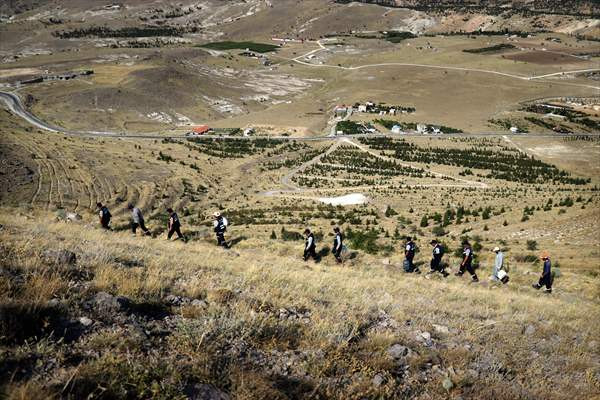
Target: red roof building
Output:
[(201, 129)]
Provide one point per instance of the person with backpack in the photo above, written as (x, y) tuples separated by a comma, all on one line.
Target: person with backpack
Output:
[(174, 225), (310, 246), (104, 216), (410, 249), (337, 245), (436, 260), (546, 278), (137, 219), (467, 262), (220, 227)]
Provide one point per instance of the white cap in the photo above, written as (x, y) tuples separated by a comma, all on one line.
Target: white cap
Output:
[(496, 249), (217, 214)]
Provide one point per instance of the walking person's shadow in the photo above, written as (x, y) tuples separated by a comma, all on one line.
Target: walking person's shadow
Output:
[(235, 241)]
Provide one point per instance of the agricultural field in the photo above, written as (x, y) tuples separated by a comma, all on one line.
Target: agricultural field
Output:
[(478, 124)]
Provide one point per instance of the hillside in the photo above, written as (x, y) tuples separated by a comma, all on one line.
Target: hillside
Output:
[(144, 318), (579, 7), (474, 123), (85, 312)]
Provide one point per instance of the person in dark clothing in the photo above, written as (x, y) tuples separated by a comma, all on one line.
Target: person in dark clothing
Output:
[(220, 227), (546, 278), (137, 219), (337, 244), (467, 262), (436, 260), (104, 216), (409, 254), (174, 225), (310, 246)]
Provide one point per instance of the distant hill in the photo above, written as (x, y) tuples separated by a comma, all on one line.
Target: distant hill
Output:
[(586, 8)]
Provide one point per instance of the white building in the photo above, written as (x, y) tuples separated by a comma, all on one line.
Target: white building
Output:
[(362, 108), (396, 129), (514, 129), (421, 128)]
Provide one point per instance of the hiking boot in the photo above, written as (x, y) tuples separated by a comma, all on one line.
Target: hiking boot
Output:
[(548, 291), (458, 274), (417, 271), (475, 279), (445, 274), (536, 286)]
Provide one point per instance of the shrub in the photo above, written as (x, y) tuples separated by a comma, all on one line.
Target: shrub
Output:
[(363, 240), (528, 258), (289, 236), (438, 231), (531, 245)]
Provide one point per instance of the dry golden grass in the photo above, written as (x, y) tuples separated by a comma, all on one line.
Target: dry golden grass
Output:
[(342, 301)]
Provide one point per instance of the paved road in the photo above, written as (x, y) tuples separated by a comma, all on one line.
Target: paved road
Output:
[(14, 104)]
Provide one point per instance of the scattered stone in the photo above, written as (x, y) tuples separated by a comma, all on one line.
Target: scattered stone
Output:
[(204, 391), (73, 217), (441, 328), (199, 303), (384, 322), (294, 313), (398, 351), (177, 301), (386, 261), (425, 336), (85, 321), (53, 303), (107, 303), (447, 384), (529, 330), (378, 380), (60, 257)]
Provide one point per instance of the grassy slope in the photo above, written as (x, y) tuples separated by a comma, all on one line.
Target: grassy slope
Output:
[(503, 342)]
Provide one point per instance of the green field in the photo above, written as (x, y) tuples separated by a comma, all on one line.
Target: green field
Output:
[(228, 45)]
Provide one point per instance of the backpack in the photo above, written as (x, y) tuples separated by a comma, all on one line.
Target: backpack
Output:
[(106, 213), (442, 251)]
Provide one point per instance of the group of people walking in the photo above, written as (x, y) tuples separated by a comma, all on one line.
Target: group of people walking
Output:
[(173, 225), (436, 265)]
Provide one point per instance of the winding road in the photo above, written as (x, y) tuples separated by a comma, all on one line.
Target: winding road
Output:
[(15, 105)]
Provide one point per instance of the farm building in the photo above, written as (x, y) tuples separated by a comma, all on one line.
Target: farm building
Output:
[(200, 130), (341, 111), (396, 129)]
